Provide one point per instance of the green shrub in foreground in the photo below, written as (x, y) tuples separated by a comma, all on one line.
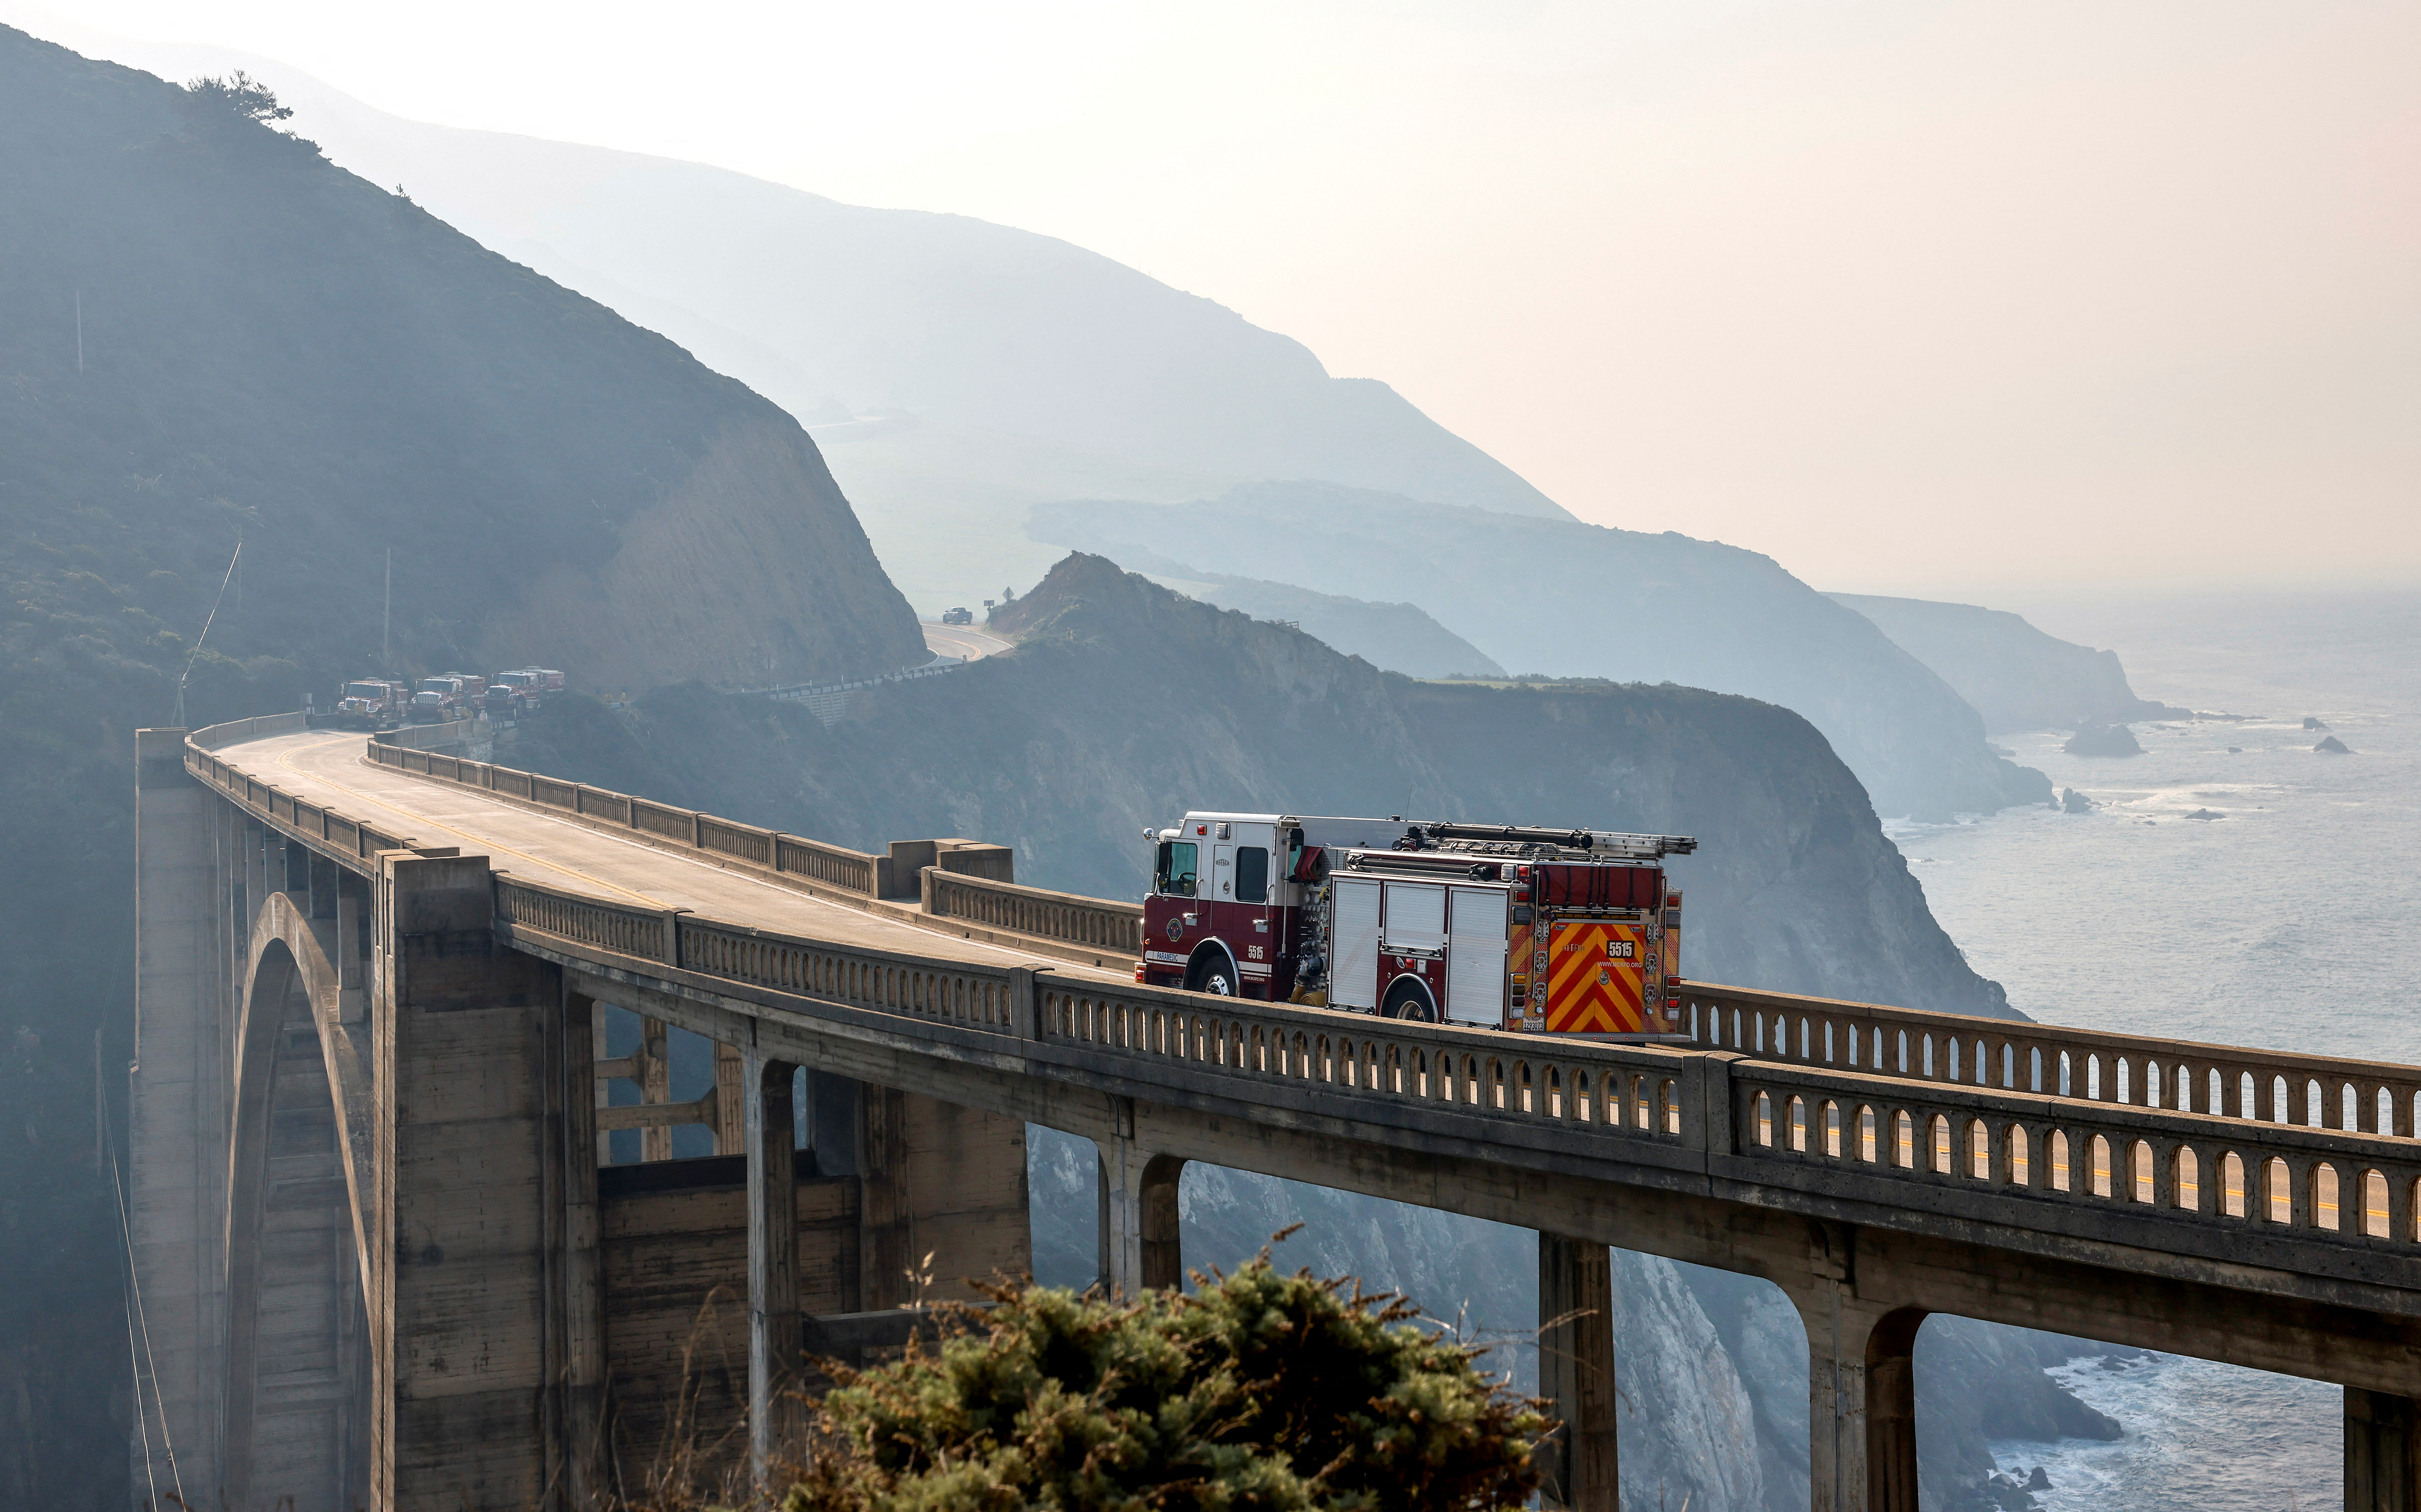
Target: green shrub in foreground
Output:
[(1261, 1393)]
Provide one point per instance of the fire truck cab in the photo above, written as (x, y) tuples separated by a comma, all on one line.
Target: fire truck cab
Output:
[(1557, 931)]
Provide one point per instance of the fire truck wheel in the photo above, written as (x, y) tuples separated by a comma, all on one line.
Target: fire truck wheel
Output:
[(1213, 973), (1409, 1000)]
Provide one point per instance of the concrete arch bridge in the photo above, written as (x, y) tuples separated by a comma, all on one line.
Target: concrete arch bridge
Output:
[(384, 1263)]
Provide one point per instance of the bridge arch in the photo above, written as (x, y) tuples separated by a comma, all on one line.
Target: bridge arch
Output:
[(297, 1390)]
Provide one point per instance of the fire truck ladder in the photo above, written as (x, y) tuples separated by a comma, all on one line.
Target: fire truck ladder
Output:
[(1595, 842)]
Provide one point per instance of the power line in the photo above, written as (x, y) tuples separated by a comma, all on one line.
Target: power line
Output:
[(204, 635)]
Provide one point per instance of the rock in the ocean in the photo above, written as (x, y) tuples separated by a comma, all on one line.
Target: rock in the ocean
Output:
[(2312, 722), (2206, 814), (2103, 741), (2235, 750), (2038, 1481), (2332, 746), (2072, 802)]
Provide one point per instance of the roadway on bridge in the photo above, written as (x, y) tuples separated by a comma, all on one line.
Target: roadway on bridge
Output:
[(964, 642), (329, 769)]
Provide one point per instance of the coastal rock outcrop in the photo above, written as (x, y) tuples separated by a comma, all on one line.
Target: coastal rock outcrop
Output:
[(2103, 741), (2331, 745)]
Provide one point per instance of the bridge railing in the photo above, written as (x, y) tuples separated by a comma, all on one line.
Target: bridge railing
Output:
[(1641, 1097), (1629, 1100), (788, 855), (1070, 916), (1034, 911), (969, 996), (2281, 1087), (331, 828), (2228, 1177), (2205, 1171)]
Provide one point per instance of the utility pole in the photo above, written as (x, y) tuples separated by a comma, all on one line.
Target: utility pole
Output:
[(386, 617), (79, 296)]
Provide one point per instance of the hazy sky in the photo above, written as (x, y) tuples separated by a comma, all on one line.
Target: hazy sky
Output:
[(1913, 295)]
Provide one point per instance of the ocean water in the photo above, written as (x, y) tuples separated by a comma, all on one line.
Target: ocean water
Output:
[(2292, 921), (2198, 1435)]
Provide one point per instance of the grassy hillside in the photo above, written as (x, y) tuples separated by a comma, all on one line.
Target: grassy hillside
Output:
[(208, 332)]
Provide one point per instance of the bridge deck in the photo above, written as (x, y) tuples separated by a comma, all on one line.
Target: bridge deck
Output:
[(328, 769)]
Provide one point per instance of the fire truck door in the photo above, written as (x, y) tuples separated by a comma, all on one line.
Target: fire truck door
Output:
[(1474, 954), (1223, 874), (1354, 945)]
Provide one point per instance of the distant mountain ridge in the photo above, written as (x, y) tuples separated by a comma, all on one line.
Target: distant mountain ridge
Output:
[(2017, 676), (1575, 599)]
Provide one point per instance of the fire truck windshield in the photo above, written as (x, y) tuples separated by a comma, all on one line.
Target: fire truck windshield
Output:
[(1174, 875)]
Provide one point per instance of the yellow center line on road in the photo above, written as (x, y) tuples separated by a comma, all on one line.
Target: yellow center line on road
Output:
[(286, 759)]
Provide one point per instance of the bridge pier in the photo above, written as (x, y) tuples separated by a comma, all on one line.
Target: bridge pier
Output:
[(470, 1053), (2382, 1452), (1861, 1397), (176, 1157), (578, 1280), (773, 1254), (1140, 1247), (1576, 1373)]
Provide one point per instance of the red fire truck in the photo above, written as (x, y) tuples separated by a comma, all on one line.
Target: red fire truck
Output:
[(1551, 932)]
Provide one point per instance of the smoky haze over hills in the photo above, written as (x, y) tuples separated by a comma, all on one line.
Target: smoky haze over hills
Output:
[(957, 370), (274, 347)]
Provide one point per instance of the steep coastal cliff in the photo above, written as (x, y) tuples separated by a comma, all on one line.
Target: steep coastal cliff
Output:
[(2017, 676)]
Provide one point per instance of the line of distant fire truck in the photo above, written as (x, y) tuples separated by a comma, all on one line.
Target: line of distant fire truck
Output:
[(383, 704)]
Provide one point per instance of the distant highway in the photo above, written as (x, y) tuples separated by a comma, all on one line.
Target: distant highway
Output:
[(962, 641)]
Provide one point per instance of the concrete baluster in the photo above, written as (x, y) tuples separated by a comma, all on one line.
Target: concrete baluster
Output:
[(773, 1253), (1576, 1373)]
